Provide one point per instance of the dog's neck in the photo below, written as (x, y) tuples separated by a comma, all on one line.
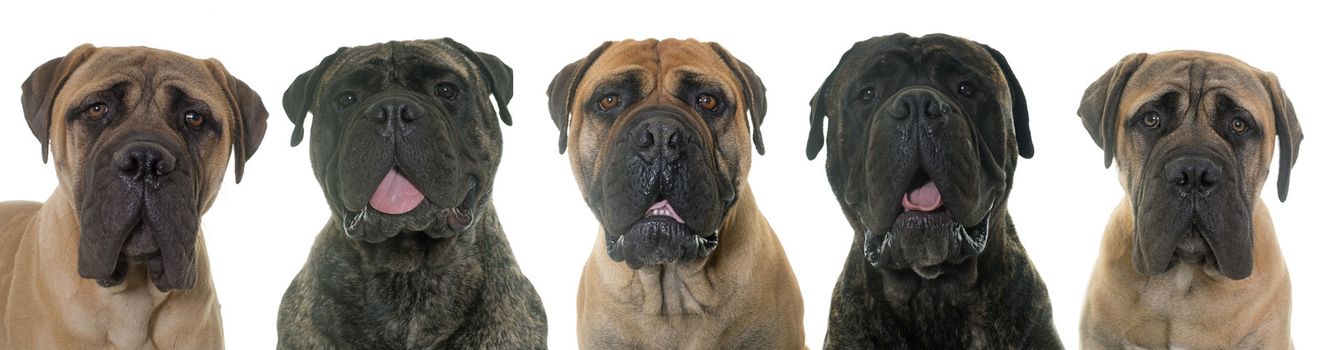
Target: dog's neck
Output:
[(125, 315)]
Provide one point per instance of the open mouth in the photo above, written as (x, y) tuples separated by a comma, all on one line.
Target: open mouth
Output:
[(925, 237), (398, 197), (660, 237)]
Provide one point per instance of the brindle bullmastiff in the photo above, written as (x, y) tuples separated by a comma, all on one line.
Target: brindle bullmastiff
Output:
[(405, 142), (659, 144), (115, 257), (923, 140), (1189, 258)]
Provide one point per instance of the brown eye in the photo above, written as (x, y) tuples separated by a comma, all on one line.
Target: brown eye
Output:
[(608, 102), (867, 95), (1152, 120), (966, 88), (446, 90), (707, 102), (346, 99), (1239, 126), (194, 119), (97, 111)]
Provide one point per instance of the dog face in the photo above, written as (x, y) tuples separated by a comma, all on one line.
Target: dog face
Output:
[(659, 142), (923, 138), (1193, 133), (141, 139), (404, 138)]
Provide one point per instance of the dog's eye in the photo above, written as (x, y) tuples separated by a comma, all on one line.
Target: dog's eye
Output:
[(97, 111), (1239, 126), (194, 119), (867, 95), (1152, 120), (966, 88), (446, 90), (346, 99), (608, 102), (707, 102)]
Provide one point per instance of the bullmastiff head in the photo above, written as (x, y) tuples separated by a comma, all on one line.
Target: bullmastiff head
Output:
[(115, 258), (405, 142), (659, 143), (1190, 259), (923, 138)]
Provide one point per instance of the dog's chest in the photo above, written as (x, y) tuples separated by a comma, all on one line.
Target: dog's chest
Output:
[(422, 310)]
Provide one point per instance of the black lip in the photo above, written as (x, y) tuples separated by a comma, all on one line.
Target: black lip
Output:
[(973, 239), (685, 245), (457, 218)]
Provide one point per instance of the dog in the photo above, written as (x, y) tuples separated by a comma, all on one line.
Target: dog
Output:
[(659, 145), (115, 257), (924, 136), (1189, 258), (405, 143)]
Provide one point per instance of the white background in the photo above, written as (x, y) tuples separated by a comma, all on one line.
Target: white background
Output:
[(259, 232)]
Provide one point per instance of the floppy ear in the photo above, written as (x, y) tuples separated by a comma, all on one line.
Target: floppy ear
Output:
[(560, 93), (39, 91), (250, 117), (498, 76), (1017, 102), (819, 106), (752, 87), (1101, 103), (297, 100), (1289, 133)]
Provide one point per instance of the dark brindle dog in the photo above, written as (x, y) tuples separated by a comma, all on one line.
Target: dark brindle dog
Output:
[(405, 142), (924, 134)]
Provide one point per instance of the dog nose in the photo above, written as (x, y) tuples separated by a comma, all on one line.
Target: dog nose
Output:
[(919, 102), (144, 159), (395, 110), (660, 137), (1189, 173)]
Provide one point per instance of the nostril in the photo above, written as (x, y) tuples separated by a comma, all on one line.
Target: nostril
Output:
[(646, 139), (406, 114), (674, 141), (164, 167)]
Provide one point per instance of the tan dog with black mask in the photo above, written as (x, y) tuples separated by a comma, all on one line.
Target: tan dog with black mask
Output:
[(660, 148), (1190, 258), (114, 258)]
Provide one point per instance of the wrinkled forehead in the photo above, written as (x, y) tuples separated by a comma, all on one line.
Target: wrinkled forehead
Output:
[(929, 50), (659, 63), (143, 72), (398, 57), (1200, 75)]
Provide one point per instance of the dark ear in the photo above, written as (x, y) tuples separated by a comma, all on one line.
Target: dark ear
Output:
[(498, 76), (250, 116), (752, 87), (1101, 103), (1289, 133), (560, 93), (819, 105), (301, 94), (39, 91), (1017, 102)]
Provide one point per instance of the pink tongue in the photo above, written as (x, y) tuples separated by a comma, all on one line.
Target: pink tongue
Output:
[(926, 198), (664, 208), (395, 195)]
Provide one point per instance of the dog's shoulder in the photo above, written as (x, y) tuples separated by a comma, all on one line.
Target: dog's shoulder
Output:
[(510, 313), (15, 217)]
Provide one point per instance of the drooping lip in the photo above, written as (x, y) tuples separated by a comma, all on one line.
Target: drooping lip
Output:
[(974, 239), (458, 217)]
